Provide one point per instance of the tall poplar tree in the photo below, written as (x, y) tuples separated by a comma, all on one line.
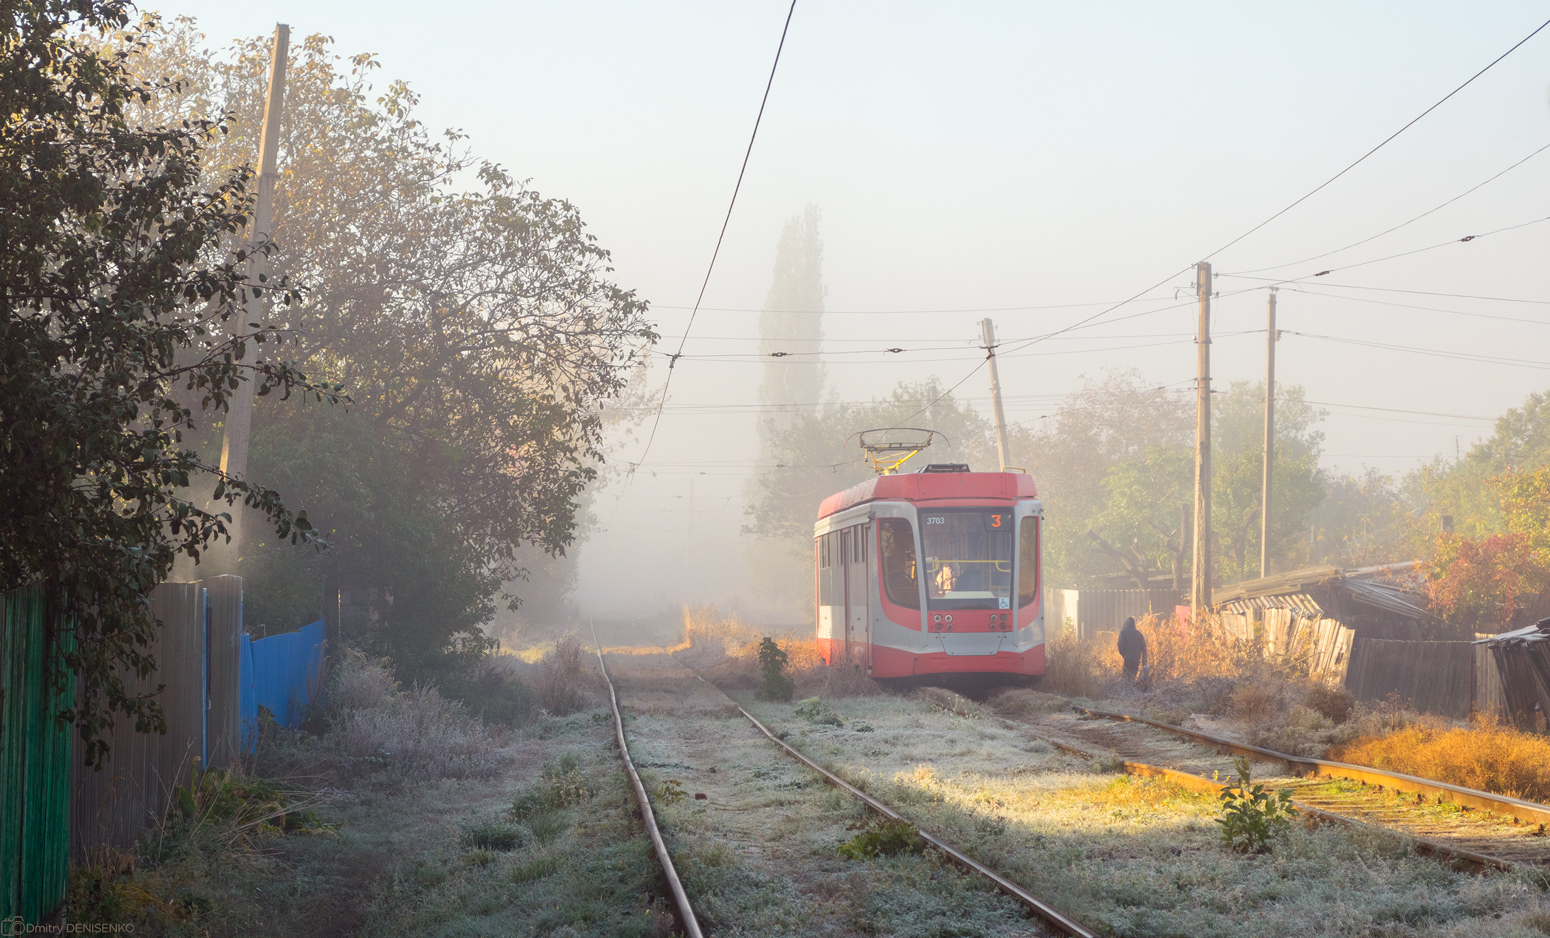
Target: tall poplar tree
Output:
[(790, 339)]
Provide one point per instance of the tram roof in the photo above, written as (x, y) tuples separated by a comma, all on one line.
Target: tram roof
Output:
[(931, 486)]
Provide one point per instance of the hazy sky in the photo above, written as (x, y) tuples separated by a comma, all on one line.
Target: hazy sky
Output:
[(1022, 158)]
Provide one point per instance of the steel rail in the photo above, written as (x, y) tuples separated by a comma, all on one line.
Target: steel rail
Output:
[(1529, 811), (1039, 907), (686, 917), (1202, 784)]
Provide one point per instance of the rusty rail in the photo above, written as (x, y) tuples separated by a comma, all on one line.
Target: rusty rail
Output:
[(1039, 907), (1478, 861), (686, 917), (1529, 811)]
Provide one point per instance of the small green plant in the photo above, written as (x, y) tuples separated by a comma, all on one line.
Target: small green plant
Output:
[(772, 661), (535, 869), (670, 793), (492, 834), (563, 786), (815, 710), (1252, 816), (882, 838)]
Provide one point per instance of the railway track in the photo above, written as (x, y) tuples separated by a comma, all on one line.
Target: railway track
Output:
[(1053, 919), (1474, 828)]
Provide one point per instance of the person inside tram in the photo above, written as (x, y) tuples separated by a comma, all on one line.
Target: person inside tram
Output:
[(945, 580)]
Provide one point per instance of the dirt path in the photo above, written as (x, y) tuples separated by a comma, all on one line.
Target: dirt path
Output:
[(756, 835)]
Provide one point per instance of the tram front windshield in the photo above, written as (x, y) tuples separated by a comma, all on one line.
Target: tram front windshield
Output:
[(969, 558)]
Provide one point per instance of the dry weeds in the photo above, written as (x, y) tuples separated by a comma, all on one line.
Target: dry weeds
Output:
[(381, 734), (725, 649), (1484, 755)]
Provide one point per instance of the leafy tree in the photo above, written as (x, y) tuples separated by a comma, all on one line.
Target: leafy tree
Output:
[(1484, 582), (817, 455), (791, 325), (477, 328), (1140, 518), (794, 382), (1525, 502), (116, 295), (1360, 523), (1116, 467), (1117, 419), (1237, 439), (1460, 488)]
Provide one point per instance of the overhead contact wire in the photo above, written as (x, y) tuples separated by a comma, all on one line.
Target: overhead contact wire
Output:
[(1413, 121), (719, 238)]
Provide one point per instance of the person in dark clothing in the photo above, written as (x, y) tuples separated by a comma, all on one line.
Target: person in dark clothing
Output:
[(1132, 648)]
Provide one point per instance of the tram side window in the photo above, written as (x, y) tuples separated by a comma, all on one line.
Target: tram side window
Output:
[(1028, 562), (897, 540)]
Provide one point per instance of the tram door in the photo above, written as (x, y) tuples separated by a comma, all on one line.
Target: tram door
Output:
[(856, 544)]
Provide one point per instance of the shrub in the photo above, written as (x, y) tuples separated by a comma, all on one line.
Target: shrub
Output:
[(1484, 756), (564, 685), (561, 786), (414, 735), (492, 690), (815, 710), (950, 702), (1335, 703), (1251, 816), (884, 837), (772, 663), (1251, 701)]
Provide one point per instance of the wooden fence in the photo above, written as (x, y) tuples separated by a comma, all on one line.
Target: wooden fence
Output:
[(198, 658), (1432, 677), (1094, 611)]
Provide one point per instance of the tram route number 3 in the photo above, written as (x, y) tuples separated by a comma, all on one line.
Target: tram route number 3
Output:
[(994, 520)]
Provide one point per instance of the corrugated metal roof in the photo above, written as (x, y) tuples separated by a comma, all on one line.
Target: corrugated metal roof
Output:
[(1297, 602), (1539, 632)]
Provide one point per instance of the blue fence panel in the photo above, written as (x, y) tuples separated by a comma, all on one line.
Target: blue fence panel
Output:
[(278, 670), (247, 703)]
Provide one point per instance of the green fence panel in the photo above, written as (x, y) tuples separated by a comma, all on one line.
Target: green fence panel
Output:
[(35, 757)]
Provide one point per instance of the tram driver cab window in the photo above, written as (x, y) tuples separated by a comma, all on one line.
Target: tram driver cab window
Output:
[(897, 540), (968, 558)]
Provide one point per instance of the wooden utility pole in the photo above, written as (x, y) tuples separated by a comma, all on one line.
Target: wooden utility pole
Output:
[(995, 392), (1270, 432), (239, 420), (1200, 587)]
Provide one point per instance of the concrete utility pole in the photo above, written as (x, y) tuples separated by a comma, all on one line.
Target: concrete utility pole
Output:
[(239, 420), (1200, 587), (1270, 434), (995, 392)]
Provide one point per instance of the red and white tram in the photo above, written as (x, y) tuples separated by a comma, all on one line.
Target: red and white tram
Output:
[(933, 577)]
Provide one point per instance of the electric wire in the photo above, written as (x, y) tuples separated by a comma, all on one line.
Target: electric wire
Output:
[(747, 154), (1413, 121), (990, 351), (1354, 286), (1429, 309), (1417, 350), (1431, 247), (1398, 226)]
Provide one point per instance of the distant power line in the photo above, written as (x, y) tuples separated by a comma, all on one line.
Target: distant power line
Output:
[(1402, 224), (1353, 286), (1413, 121)]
